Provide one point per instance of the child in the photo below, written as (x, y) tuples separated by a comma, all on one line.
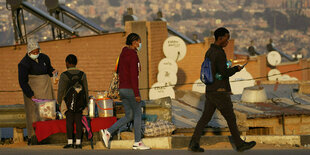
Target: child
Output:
[(73, 89)]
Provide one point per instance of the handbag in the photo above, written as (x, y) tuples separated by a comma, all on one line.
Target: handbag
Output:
[(113, 92)]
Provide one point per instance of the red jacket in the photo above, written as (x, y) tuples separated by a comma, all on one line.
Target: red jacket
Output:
[(128, 70)]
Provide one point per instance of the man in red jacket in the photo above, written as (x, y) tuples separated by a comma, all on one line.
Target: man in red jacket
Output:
[(128, 71)]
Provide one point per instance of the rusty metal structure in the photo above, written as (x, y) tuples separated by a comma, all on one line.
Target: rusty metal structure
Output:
[(58, 9), (20, 32)]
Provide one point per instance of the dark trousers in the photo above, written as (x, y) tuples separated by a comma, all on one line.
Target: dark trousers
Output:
[(222, 102), (71, 118)]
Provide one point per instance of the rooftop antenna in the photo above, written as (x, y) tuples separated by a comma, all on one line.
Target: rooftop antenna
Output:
[(129, 16)]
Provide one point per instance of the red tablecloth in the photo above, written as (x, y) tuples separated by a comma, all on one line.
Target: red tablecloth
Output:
[(43, 129)]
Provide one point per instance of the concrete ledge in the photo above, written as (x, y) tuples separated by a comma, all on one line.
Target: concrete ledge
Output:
[(154, 143), (176, 142), (183, 141), (289, 139)]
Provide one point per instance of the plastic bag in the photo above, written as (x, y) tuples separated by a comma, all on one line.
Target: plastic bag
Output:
[(46, 109)]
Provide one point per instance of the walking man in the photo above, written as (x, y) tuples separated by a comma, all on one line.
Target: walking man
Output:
[(218, 94)]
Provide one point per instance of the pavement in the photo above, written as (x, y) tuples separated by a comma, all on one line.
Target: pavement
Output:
[(177, 142), (153, 152), (221, 148)]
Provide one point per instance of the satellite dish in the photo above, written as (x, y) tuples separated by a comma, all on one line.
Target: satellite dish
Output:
[(160, 90), (274, 58), (167, 64), (174, 48), (238, 86), (199, 87), (294, 79), (286, 77), (167, 76), (274, 74)]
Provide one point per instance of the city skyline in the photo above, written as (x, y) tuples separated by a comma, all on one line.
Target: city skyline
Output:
[(247, 20)]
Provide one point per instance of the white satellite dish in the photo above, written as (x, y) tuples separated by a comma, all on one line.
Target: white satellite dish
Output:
[(167, 64), (167, 76), (160, 90), (286, 77), (274, 74), (199, 87), (274, 58), (241, 80), (174, 48)]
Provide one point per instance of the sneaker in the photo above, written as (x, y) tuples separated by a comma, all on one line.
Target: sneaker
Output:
[(105, 135), (140, 146), (246, 146)]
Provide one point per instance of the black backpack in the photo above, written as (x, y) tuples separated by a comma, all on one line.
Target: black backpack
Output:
[(75, 97)]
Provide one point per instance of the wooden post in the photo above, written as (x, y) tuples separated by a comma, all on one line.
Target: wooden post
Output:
[(18, 135)]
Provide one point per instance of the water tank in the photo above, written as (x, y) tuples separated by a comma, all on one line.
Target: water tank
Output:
[(254, 95)]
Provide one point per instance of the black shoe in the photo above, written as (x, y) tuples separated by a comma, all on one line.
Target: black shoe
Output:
[(68, 146), (246, 146), (29, 141), (32, 141), (195, 147), (78, 146)]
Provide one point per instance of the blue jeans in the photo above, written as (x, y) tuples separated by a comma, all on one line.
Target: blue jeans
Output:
[(132, 112)]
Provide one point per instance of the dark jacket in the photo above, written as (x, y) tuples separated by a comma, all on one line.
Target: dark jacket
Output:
[(64, 82), (128, 70), (218, 59), (27, 66)]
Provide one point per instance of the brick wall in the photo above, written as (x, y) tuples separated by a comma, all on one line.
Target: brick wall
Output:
[(10, 57), (257, 66), (157, 34), (229, 49), (289, 67), (305, 63), (96, 57), (189, 67)]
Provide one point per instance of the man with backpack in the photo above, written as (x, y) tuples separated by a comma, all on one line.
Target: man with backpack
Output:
[(218, 92), (73, 89)]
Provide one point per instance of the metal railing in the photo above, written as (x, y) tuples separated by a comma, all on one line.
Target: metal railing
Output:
[(12, 116)]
